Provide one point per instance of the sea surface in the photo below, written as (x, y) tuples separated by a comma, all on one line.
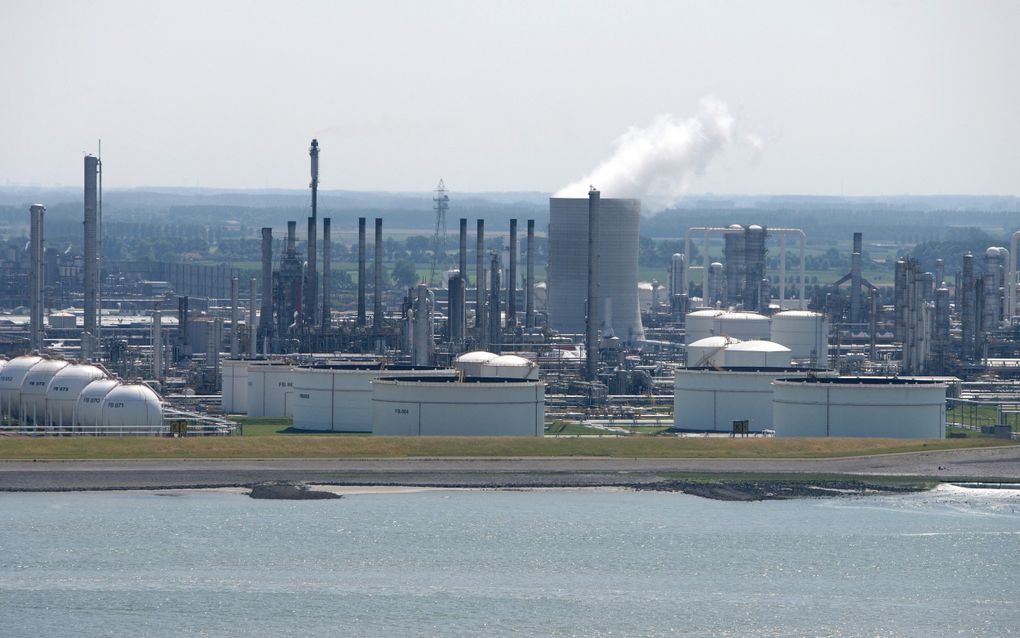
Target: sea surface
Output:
[(509, 563)]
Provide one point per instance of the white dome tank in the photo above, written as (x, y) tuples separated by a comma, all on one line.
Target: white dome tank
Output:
[(10, 383), (757, 354), (804, 332), (132, 405), (88, 411), (510, 366), (742, 325), (699, 324), (709, 352), (33, 389), (471, 362), (63, 390)]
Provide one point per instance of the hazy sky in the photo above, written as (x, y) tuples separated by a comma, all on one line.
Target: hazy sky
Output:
[(853, 97)]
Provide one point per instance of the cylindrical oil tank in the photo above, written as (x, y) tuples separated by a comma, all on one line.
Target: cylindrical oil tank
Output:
[(338, 397), (448, 406), (235, 386), (804, 332), (270, 389), (470, 363), (11, 377), (745, 326), (860, 406), (709, 352), (711, 400), (63, 391), (757, 354), (617, 248), (88, 411), (132, 405), (700, 324), (33, 390), (510, 366)]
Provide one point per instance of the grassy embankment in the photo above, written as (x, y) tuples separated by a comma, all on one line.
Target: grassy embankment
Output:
[(319, 446)]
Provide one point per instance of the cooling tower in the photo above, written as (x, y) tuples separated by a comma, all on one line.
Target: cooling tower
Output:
[(617, 249)]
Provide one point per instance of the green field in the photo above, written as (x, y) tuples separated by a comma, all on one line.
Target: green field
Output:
[(366, 446)]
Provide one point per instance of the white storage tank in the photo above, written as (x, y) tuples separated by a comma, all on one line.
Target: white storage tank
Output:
[(33, 390), (804, 332), (88, 411), (447, 406), (470, 363), (888, 407), (757, 354), (509, 366), (699, 324), (270, 389), (63, 391), (709, 352), (338, 397), (11, 377), (235, 386), (132, 406), (711, 400), (745, 326)]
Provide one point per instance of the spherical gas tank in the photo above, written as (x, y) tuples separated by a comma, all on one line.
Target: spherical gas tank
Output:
[(11, 377), (33, 389), (63, 391), (88, 411), (132, 405)]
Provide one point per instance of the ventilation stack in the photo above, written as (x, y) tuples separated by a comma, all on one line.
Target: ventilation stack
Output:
[(235, 302), (91, 263), (252, 294), (481, 323), (361, 271), (495, 332), (511, 284), (377, 310), (326, 265), (265, 333), (900, 299), (157, 342), (311, 282), (529, 292), (591, 337), (856, 306), (37, 212)]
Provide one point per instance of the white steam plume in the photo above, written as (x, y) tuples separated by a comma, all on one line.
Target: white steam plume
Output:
[(657, 163)]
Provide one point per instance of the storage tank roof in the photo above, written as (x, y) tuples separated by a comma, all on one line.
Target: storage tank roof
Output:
[(717, 341), (743, 316), (757, 345), (509, 360), (706, 313), (798, 313), (478, 356)]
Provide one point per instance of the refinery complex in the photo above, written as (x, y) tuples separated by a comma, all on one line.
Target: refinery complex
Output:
[(489, 342)]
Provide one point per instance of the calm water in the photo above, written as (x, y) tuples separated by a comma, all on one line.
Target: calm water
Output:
[(543, 563)]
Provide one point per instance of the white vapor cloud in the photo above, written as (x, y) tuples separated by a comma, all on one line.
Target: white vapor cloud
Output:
[(658, 162)]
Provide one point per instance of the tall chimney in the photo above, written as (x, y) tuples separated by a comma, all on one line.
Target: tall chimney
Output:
[(326, 247), (856, 301), (157, 342), (495, 329), (311, 275), (37, 212), (235, 302), (252, 338), (265, 334), (377, 310), (529, 292), (91, 245), (511, 285), (361, 271), (462, 255), (591, 321), (481, 325)]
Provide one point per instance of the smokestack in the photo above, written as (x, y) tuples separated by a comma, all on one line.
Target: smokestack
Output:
[(37, 212), (856, 307), (311, 274), (511, 285), (265, 333), (377, 311), (481, 325), (462, 255), (235, 302), (326, 247), (940, 272), (456, 321), (529, 293), (157, 342), (966, 297), (495, 329), (291, 239), (361, 271), (91, 245), (591, 320), (252, 339)]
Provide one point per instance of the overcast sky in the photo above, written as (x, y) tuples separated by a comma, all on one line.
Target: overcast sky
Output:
[(826, 98)]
